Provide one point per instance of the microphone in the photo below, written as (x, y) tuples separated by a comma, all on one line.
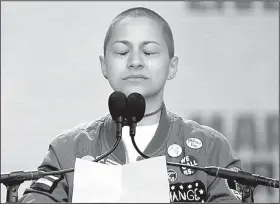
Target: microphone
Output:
[(243, 177), (21, 176), (136, 107), (117, 107)]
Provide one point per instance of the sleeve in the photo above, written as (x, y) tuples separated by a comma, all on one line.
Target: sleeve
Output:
[(220, 154), (49, 189)]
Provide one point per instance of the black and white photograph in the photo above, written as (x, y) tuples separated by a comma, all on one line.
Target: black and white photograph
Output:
[(140, 101)]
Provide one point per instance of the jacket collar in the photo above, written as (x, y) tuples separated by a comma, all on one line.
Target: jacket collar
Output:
[(154, 147)]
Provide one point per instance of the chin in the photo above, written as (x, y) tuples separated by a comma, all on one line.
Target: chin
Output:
[(130, 90), (145, 91)]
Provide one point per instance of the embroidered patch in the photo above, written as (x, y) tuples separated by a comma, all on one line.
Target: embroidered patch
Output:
[(188, 192), (191, 161), (172, 175), (233, 186), (174, 150), (47, 183), (194, 143)]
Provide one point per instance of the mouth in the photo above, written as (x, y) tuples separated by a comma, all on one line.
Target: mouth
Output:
[(135, 78)]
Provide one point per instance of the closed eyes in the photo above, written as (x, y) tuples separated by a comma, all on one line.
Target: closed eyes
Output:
[(146, 53)]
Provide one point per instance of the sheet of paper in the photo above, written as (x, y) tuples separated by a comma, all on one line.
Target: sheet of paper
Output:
[(140, 182), (145, 181), (96, 182)]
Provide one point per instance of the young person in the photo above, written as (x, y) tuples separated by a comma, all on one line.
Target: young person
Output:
[(139, 57)]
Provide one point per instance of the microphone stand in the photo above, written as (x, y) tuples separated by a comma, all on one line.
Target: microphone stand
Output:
[(13, 180), (250, 181)]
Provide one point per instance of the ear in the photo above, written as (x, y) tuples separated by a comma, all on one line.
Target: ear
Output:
[(173, 68), (103, 66)]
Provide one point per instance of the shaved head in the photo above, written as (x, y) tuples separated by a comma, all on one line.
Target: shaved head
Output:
[(143, 12)]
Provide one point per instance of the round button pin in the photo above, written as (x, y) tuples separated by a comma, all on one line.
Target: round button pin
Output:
[(194, 143), (172, 175), (191, 161), (174, 150)]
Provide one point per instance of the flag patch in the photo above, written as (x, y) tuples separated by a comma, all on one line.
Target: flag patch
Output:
[(47, 183), (44, 181)]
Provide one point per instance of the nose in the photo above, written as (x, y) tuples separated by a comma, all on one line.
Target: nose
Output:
[(135, 60)]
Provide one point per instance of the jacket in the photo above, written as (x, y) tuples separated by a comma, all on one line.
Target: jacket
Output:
[(181, 141)]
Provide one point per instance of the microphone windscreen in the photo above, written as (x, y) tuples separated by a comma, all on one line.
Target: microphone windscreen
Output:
[(136, 106), (117, 104)]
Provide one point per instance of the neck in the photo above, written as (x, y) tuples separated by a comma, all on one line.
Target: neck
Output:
[(152, 104)]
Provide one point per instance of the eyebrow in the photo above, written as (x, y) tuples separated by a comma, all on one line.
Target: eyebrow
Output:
[(127, 42)]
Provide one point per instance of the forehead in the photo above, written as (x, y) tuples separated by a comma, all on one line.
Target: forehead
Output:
[(137, 28)]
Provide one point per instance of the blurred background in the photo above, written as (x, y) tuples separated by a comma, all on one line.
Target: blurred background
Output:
[(228, 75)]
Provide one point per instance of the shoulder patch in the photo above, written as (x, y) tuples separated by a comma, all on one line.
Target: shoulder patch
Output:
[(47, 183)]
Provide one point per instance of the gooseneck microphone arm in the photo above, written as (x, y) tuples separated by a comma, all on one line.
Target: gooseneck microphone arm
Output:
[(137, 149)]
